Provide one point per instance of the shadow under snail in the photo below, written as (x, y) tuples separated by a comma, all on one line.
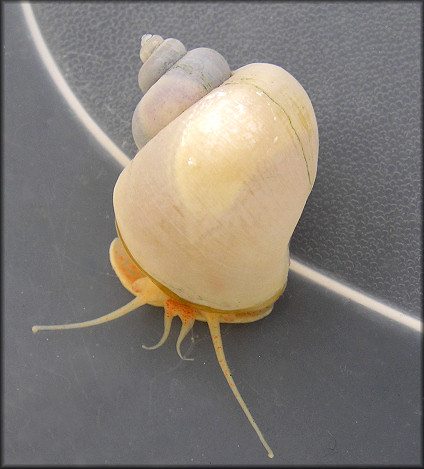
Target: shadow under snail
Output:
[(205, 210)]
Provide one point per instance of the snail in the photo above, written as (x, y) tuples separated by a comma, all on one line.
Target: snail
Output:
[(205, 211)]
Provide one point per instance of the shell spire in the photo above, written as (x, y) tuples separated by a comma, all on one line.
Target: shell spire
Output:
[(172, 80), (148, 44)]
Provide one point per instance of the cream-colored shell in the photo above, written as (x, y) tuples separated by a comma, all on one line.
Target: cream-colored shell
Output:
[(207, 207)]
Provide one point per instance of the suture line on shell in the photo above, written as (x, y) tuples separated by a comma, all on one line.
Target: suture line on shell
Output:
[(288, 118)]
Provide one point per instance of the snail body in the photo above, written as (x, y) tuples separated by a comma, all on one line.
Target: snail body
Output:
[(206, 209)]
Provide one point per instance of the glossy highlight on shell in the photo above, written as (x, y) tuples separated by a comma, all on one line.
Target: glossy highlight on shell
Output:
[(206, 209)]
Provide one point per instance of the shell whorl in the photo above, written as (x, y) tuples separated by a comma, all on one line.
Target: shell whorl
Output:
[(172, 80)]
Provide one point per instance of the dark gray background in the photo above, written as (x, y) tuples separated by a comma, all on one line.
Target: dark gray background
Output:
[(327, 381)]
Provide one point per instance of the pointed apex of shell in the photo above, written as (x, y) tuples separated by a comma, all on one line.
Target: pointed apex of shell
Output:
[(149, 43)]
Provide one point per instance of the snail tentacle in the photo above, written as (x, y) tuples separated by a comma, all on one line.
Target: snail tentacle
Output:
[(187, 316), (167, 321), (185, 329), (214, 328), (131, 306)]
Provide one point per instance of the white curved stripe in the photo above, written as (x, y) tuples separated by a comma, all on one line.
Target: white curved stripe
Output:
[(355, 295), (115, 152), (66, 92)]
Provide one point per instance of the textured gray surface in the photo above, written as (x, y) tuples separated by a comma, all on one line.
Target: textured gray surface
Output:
[(359, 63), (327, 381)]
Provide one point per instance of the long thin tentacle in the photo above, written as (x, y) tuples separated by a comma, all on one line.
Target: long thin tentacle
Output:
[(167, 321), (131, 306), (215, 331), (185, 329)]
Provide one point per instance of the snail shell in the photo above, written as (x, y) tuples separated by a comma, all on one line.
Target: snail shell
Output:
[(206, 209), (209, 203)]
